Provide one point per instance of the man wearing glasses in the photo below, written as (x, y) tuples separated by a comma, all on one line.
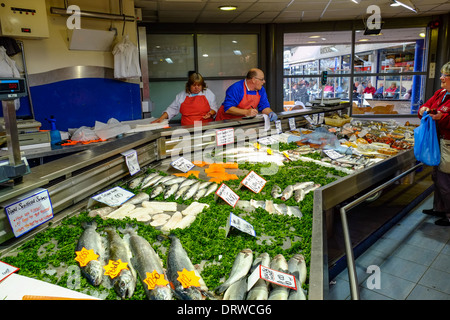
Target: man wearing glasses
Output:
[(438, 106), (246, 98)]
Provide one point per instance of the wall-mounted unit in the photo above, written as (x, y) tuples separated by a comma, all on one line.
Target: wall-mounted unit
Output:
[(23, 19)]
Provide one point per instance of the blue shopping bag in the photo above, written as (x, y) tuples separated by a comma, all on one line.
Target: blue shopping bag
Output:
[(426, 142)]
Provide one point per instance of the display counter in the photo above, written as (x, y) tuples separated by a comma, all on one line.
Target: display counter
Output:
[(73, 180)]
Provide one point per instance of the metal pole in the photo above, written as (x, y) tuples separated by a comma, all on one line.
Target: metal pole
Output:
[(12, 134)]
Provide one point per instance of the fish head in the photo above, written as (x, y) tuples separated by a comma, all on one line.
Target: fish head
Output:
[(125, 284), (94, 272)]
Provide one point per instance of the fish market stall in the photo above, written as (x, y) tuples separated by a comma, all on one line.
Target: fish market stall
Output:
[(199, 228)]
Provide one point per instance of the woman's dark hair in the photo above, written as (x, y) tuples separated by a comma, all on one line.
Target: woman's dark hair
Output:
[(195, 77)]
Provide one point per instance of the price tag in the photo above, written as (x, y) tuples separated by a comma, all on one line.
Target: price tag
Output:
[(228, 195), (278, 127), (131, 160), (6, 270), (274, 276), (315, 119), (292, 124), (240, 224), (254, 182), (224, 136), (308, 118), (320, 118), (85, 255), (267, 140), (113, 268), (114, 197), (188, 278), (155, 279), (182, 164), (29, 211), (332, 154)]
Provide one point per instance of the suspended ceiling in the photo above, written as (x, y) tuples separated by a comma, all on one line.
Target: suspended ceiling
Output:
[(278, 11)]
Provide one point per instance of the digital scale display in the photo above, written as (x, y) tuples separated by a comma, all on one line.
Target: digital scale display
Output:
[(11, 88)]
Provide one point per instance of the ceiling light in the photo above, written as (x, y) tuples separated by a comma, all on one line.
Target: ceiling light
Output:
[(312, 37), (356, 1), (205, 55), (311, 41), (228, 8), (407, 4), (362, 40), (422, 34)]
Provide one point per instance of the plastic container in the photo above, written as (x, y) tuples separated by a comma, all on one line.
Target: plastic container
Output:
[(55, 135)]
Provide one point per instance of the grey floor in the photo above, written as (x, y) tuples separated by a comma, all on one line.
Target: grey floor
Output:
[(409, 262)]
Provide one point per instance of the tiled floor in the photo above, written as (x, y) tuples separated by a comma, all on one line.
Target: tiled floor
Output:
[(413, 260)]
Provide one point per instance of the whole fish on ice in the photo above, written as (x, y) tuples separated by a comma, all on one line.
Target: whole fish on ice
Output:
[(279, 292), (260, 290), (241, 266)]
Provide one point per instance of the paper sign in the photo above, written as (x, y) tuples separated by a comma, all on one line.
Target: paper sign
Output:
[(274, 276), (85, 256), (6, 270), (292, 124), (155, 279), (188, 278), (308, 118), (182, 164), (254, 182), (131, 160), (113, 268), (267, 140), (332, 154), (321, 118), (240, 224), (224, 136), (30, 211), (228, 195), (278, 126), (114, 197)]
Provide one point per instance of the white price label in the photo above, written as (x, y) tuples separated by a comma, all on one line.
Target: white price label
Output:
[(267, 140), (321, 118), (29, 211), (132, 161), (114, 197), (228, 195), (224, 136), (240, 224), (6, 270), (292, 124), (182, 164), (278, 126), (274, 276), (308, 118), (254, 182), (315, 118), (332, 154)]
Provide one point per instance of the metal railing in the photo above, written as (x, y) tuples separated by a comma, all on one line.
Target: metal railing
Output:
[(353, 278)]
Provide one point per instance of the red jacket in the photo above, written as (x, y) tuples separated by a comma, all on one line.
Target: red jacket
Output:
[(441, 102)]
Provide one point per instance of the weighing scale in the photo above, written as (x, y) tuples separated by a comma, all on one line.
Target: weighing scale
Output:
[(15, 167)]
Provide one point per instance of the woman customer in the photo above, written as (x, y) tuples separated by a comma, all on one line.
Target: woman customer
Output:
[(438, 106), (195, 103)]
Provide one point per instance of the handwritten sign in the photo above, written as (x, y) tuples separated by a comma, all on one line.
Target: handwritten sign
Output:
[(182, 164), (114, 197), (113, 268), (332, 154), (267, 140), (188, 278), (132, 162), (240, 224), (155, 279), (254, 182), (228, 195), (30, 211), (274, 276), (224, 136), (292, 124), (84, 256), (6, 270), (278, 126)]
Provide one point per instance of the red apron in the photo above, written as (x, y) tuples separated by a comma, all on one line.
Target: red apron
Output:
[(248, 101), (193, 109)]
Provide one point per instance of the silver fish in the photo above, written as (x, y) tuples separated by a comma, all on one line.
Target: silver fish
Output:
[(294, 211), (276, 191), (299, 195), (204, 184), (152, 181), (176, 180), (279, 292), (157, 191), (297, 267), (148, 177), (146, 260), (125, 283), (237, 291), (281, 208), (241, 266), (302, 185), (287, 193), (191, 191), (136, 182), (298, 294), (139, 198), (164, 180), (188, 182), (200, 193), (177, 260), (181, 191), (260, 290), (212, 188), (170, 190), (90, 239)]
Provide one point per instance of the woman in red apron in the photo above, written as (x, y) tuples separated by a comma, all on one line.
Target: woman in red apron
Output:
[(195, 103)]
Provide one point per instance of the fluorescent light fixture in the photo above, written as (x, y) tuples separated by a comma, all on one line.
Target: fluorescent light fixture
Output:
[(356, 1), (168, 60), (205, 55), (234, 41), (363, 40), (313, 37), (237, 52), (228, 8), (422, 34), (407, 4)]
